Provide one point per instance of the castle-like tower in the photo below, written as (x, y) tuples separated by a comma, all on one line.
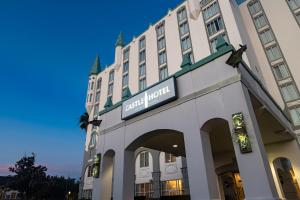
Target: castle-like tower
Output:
[(189, 46)]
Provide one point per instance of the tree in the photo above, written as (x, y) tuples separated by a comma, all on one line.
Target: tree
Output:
[(84, 121), (29, 178)]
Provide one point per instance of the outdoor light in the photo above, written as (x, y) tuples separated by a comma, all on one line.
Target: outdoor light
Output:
[(69, 192), (240, 133), (175, 145)]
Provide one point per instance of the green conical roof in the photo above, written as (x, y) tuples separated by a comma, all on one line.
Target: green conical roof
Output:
[(120, 40), (96, 68)]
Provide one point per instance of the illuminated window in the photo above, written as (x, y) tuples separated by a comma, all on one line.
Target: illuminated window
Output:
[(169, 158), (172, 188)]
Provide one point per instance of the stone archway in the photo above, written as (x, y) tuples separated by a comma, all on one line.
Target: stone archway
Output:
[(221, 159)]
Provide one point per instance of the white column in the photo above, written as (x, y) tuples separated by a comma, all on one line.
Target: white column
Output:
[(123, 186), (202, 179), (254, 167)]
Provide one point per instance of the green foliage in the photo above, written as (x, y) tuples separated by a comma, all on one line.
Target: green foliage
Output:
[(84, 121), (33, 183)]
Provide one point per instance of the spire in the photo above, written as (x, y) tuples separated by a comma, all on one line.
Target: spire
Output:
[(120, 40), (96, 68)]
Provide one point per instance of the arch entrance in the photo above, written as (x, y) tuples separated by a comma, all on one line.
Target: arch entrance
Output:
[(220, 153), (160, 170)]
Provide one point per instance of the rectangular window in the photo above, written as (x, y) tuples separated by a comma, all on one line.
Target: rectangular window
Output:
[(96, 109), (295, 114), (144, 159), (213, 43), (162, 58), (183, 28), (142, 43), (144, 190), (126, 54), (161, 43), (91, 98), (142, 56), (169, 158), (260, 21), (186, 43), (92, 85), (289, 92), (172, 187), (142, 70), (142, 84), (215, 26), (163, 73), (294, 4), (160, 30), (125, 80), (97, 97), (99, 81), (181, 15), (125, 67), (254, 7), (110, 89), (280, 71), (111, 76), (298, 17), (266, 36), (210, 11), (273, 53)]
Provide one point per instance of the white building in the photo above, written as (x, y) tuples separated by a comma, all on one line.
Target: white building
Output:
[(180, 123)]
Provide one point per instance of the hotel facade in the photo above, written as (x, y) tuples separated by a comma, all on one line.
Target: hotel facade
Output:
[(185, 114)]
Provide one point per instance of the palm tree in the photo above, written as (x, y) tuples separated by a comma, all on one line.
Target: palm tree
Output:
[(84, 121)]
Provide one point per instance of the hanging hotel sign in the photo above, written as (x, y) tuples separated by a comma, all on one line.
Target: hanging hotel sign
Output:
[(151, 98)]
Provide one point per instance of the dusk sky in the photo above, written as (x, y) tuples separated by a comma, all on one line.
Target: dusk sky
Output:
[(47, 48)]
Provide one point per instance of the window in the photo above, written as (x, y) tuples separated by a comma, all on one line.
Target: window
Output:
[(266, 36), (186, 43), (289, 92), (125, 80), (295, 114), (142, 84), (111, 76), (93, 139), (273, 53), (169, 158), (215, 26), (99, 82), (172, 187), (161, 43), (91, 98), (144, 159), (97, 97), (142, 70), (260, 21), (142, 56), (110, 83), (92, 85), (96, 109), (142, 43), (210, 10), (294, 4), (125, 67), (144, 189), (162, 58), (281, 72), (254, 7), (163, 73), (298, 17), (213, 43), (183, 28), (181, 15), (90, 171), (160, 30), (126, 54)]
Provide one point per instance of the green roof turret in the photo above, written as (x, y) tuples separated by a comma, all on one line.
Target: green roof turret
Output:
[(120, 40), (96, 68)]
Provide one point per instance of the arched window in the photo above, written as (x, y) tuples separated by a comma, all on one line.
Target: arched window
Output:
[(93, 140), (287, 178)]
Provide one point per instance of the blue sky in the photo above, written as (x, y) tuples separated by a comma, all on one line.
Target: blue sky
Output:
[(46, 51)]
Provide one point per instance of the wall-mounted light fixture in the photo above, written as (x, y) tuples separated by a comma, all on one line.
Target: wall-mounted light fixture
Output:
[(240, 133)]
